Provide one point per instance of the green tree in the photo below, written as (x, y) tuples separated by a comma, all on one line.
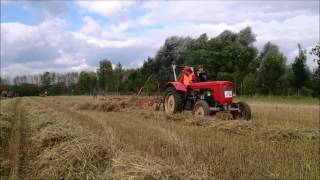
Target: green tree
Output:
[(287, 84), (272, 70), (45, 79), (315, 85), (170, 52), (198, 53), (132, 80), (315, 78), (224, 76), (316, 52), (4, 80), (301, 74), (105, 75), (118, 75), (246, 36), (250, 84), (229, 52), (87, 82)]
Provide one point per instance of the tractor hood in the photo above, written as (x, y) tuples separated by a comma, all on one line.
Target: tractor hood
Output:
[(210, 85)]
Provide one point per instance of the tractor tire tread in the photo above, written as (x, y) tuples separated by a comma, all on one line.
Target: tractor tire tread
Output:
[(205, 106), (179, 105), (247, 109)]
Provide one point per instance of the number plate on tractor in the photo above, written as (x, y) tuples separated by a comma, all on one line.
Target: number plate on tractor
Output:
[(227, 94)]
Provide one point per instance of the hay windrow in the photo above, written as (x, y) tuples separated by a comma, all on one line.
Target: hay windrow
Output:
[(103, 106), (5, 127), (50, 136), (61, 152), (7, 122), (61, 149), (86, 106), (133, 166), (116, 138), (80, 158)]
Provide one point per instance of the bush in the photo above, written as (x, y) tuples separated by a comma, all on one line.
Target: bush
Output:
[(305, 91), (224, 76)]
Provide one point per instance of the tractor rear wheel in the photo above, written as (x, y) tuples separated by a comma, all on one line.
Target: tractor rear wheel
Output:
[(173, 101), (201, 108), (244, 113)]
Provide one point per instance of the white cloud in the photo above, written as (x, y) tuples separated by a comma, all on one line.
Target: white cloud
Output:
[(110, 9), (24, 46), (112, 32), (49, 46), (69, 59), (24, 43), (45, 9), (286, 34), (298, 28), (44, 47), (229, 12), (6, 1)]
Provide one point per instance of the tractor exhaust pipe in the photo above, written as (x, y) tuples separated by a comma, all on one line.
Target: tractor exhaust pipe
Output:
[(174, 72)]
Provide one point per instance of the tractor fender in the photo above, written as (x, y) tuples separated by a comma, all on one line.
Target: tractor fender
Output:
[(178, 86)]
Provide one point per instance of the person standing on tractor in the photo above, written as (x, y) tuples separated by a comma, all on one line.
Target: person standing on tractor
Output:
[(188, 76)]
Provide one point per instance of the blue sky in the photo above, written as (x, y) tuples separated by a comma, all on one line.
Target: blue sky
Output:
[(62, 36)]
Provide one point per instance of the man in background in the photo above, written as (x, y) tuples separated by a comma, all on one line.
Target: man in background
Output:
[(201, 74)]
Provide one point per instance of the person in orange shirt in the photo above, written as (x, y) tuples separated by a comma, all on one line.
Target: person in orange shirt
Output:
[(188, 76)]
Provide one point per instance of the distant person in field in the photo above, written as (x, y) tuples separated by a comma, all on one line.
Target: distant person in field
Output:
[(188, 76), (201, 75)]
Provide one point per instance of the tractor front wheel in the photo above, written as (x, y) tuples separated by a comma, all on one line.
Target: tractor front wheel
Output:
[(201, 108), (173, 101), (244, 111)]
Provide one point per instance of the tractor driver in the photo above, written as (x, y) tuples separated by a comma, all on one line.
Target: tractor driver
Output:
[(188, 76)]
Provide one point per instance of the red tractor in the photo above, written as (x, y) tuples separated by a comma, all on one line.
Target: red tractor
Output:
[(203, 98)]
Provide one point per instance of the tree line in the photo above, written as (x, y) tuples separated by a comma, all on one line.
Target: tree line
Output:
[(229, 56)]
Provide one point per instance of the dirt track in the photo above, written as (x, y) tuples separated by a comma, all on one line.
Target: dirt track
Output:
[(77, 137)]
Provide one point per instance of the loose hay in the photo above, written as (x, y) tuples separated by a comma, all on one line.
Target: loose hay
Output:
[(144, 144), (175, 117), (107, 107), (135, 166), (102, 106), (5, 130), (61, 150), (80, 158), (51, 135), (86, 106), (65, 151), (6, 123)]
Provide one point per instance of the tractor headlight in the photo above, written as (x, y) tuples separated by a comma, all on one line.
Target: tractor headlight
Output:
[(208, 93)]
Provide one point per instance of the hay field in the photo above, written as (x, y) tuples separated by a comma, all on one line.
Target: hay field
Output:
[(118, 138)]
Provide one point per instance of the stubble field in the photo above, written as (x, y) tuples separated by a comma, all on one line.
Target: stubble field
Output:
[(118, 138)]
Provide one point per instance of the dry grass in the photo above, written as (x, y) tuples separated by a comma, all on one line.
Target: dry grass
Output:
[(76, 137), (6, 123)]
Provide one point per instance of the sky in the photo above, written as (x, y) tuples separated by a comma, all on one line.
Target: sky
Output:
[(63, 36)]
